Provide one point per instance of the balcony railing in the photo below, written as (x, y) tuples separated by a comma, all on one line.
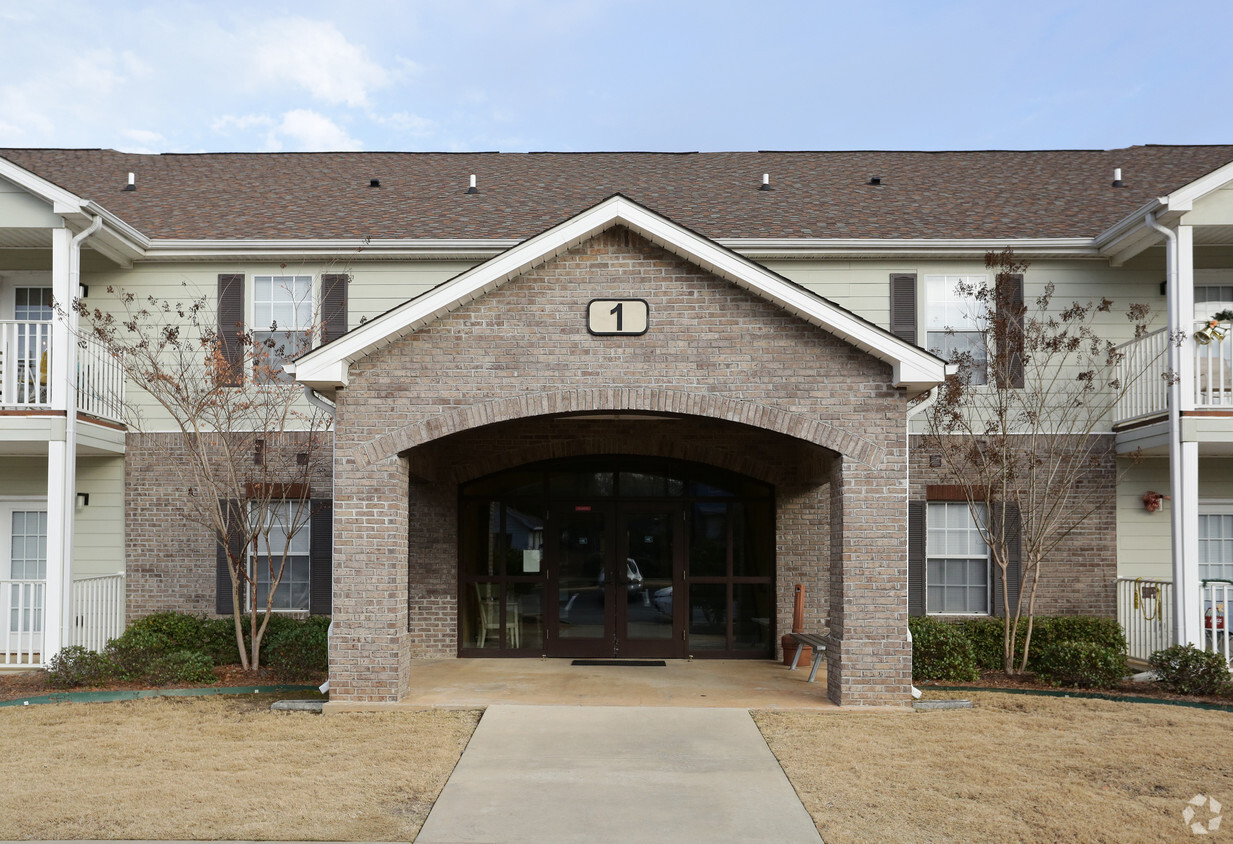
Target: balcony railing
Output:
[(1144, 367), (25, 364), (27, 358), (97, 616), (1217, 601), (1145, 611)]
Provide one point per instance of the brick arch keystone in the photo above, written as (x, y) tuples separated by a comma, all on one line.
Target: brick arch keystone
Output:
[(616, 400)]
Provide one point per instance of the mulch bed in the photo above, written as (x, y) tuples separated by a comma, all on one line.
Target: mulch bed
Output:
[(30, 683), (993, 680)]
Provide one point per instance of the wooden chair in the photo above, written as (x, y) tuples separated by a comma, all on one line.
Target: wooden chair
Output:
[(490, 616)]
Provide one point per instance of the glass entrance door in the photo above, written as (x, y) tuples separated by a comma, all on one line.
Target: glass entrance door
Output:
[(647, 544)]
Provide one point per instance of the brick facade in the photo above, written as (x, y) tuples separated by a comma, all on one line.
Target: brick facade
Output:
[(484, 387), (170, 553), (1080, 576)]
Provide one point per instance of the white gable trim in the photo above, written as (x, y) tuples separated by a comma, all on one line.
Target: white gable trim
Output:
[(327, 367)]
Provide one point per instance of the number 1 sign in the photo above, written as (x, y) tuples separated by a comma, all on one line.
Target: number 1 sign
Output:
[(617, 316)]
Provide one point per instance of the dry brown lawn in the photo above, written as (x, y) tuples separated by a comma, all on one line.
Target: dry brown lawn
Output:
[(221, 767), (1015, 768)]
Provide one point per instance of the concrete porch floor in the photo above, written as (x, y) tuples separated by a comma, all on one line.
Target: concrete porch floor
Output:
[(473, 683)]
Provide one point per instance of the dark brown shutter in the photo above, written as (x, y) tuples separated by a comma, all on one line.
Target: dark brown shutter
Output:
[(903, 306), (223, 604), (1014, 562), (321, 558), (1010, 341), (231, 325), (916, 557), (334, 306)]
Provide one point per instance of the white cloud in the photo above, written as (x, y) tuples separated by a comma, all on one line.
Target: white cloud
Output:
[(315, 56), (304, 130), (407, 123), (229, 122)]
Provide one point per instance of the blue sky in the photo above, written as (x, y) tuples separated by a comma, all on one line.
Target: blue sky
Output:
[(517, 75)]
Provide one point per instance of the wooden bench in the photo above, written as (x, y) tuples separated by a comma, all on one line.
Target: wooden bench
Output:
[(817, 641)]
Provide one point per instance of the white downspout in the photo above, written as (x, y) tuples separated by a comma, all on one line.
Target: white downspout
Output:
[(1181, 604), (316, 400), (929, 401)]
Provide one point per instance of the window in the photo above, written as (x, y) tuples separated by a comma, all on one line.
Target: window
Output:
[(956, 561), (282, 321), (952, 321), (23, 560), (294, 589), (1216, 545)]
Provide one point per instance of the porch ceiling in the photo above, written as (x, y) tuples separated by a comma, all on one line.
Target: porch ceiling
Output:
[(25, 238)]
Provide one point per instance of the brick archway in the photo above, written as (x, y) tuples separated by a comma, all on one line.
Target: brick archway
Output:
[(652, 400)]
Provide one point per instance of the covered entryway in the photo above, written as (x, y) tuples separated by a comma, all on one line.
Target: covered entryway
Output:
[(616, 556)]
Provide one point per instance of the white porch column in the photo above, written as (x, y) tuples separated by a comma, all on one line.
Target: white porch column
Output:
[(61, 457), (1188, 607)]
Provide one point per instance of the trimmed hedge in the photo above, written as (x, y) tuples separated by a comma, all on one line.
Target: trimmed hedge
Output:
[(1186, 670), (172, 647), (984, 640), (940, 651), (1088, 665)]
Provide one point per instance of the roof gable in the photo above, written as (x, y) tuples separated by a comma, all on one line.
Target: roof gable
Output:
[(327, 367)]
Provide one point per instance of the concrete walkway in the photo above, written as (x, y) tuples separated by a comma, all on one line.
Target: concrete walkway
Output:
[(548, 774)]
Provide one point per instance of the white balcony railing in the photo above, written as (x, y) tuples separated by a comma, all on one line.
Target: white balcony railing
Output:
[(1142, 368), (1213, 366), (97, 616), (21, 630), (1217, 595), (98, 610), (27, 361), (100, 381), (1145, 611)]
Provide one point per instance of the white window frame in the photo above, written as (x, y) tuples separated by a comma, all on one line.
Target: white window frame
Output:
[(257, 562), (265, 312), (1215, 507), (949, 316), (933, 553)]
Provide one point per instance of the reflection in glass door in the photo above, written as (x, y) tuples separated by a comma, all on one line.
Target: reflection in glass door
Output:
[(645, 610), (583, 555)]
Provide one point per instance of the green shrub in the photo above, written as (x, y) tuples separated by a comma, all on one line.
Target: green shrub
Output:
[(1048, 630), (218, 641), (181, 667), (135, 650), (76, 666), (299, 652), (985, 636), (940, 651), (1186, 670), (184, 632), (1083, 664)]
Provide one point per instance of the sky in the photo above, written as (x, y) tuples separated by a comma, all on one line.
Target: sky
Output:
[(573, 75)]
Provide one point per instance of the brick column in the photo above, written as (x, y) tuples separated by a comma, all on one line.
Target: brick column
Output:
[(370, 580), (869, 660)]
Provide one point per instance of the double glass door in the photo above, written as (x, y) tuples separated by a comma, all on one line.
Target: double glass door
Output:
[(614, 569)]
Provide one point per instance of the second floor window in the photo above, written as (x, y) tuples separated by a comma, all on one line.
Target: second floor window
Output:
[(282, 321), (952, 322)]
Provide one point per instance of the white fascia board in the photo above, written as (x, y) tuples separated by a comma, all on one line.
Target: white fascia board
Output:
[(1072, 247), (423, 248), (321, 368), (62, 201)]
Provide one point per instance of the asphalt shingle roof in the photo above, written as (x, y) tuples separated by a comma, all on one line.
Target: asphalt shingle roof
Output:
[(993, 194)]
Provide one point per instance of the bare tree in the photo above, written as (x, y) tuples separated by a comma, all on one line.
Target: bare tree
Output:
[(246, 447), (1019, 428)]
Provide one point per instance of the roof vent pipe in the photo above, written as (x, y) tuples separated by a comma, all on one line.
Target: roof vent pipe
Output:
[(473, 188), (766, 182), (374, 183), (875, 180), (132, 182), (1117, 177)]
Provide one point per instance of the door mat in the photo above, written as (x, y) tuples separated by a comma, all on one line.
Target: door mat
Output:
[(637, 663)]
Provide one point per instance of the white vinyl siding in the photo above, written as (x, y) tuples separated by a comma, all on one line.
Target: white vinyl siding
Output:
[(956, 562)]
